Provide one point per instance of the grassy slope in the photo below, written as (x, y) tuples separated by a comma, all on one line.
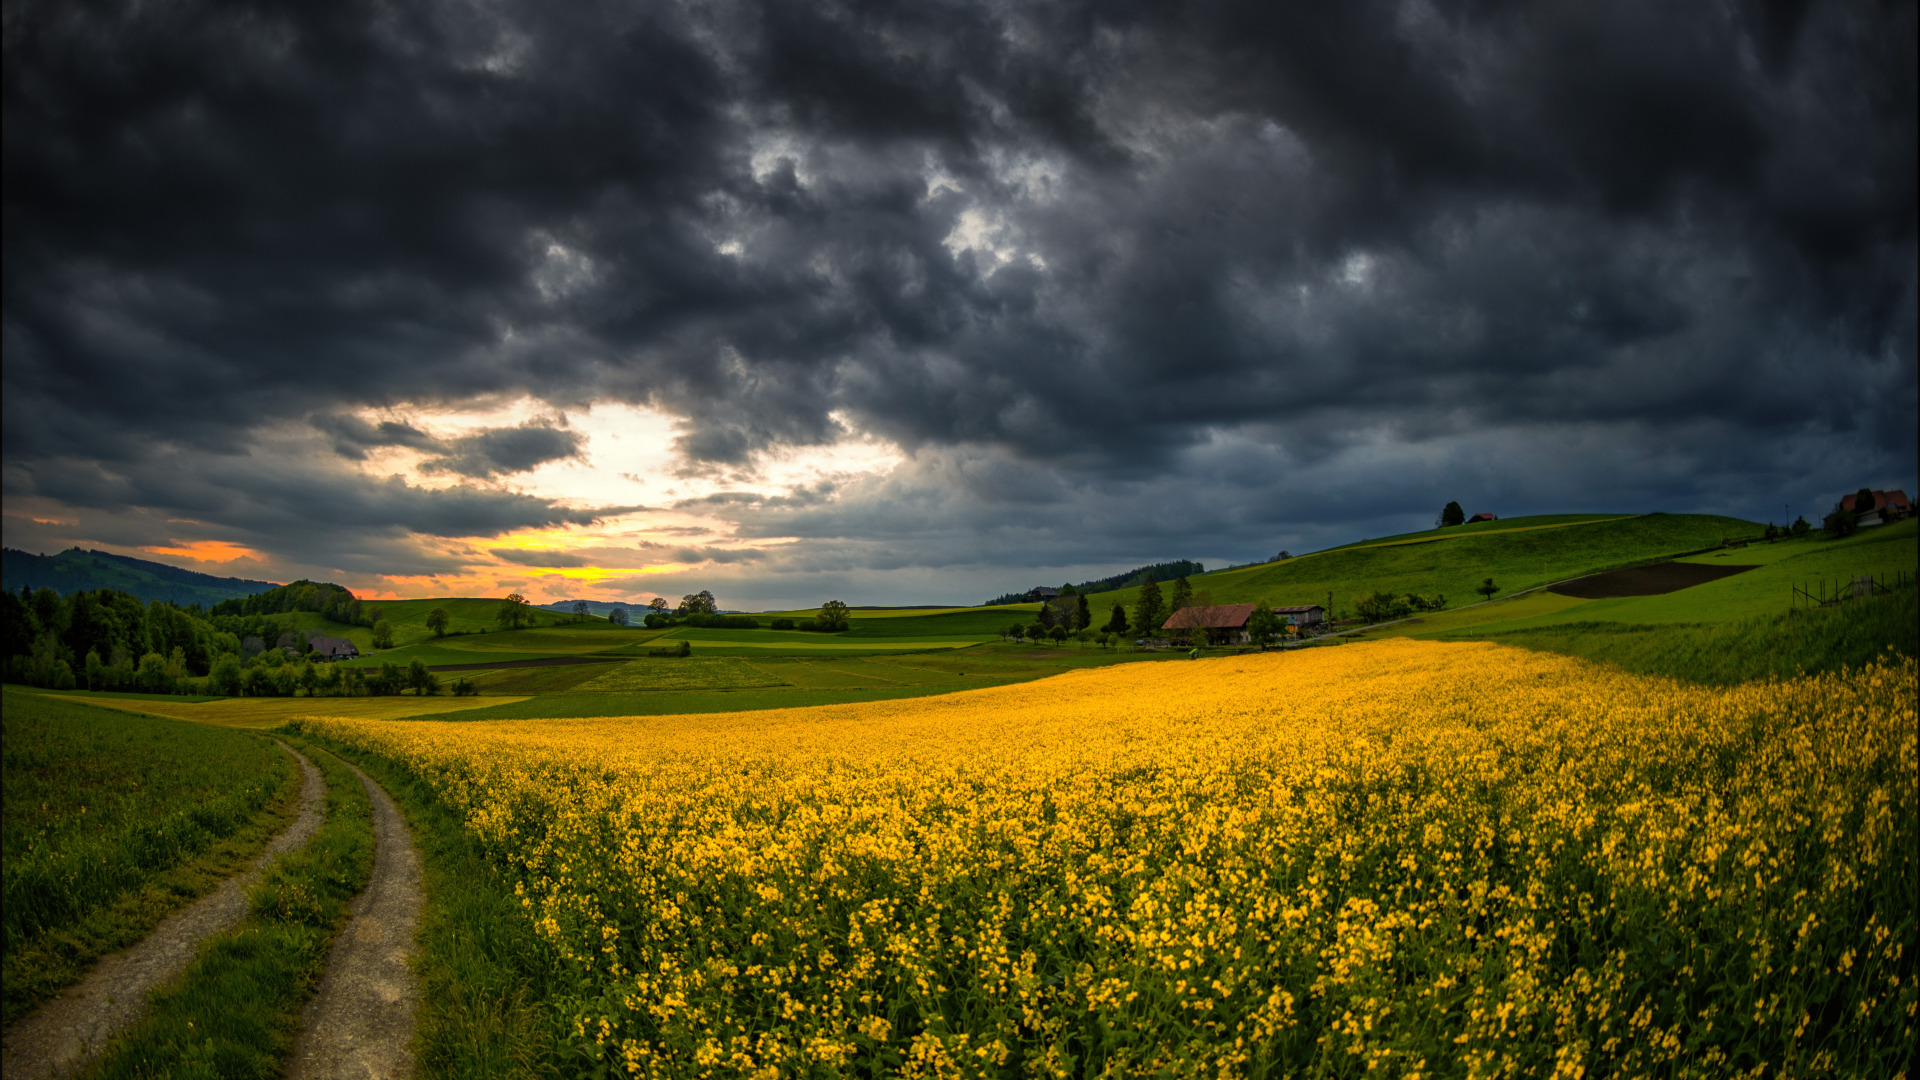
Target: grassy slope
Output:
[(1757, 593), (112, 821), (1724, 631), (235, 1013), (1519, 553)]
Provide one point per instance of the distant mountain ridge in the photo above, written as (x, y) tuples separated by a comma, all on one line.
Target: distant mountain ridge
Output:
[(594, 607), (74, 570)]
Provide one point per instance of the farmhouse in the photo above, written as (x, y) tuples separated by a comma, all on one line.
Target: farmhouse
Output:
[(1224, 623), (1483, 517), (1887, 506), (1302, 615), (1041, 593), (332, 648)]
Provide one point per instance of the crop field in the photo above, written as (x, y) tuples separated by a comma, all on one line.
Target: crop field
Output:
[(1400, 857)]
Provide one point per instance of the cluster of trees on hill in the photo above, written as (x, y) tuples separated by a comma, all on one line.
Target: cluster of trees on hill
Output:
[(1156, 572), (108, 640), (331, 602), (1387, 606)]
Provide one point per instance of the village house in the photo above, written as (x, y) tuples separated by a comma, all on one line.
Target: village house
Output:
[(1887, 506), (1302, 614), (332, 648), (1225, 624)]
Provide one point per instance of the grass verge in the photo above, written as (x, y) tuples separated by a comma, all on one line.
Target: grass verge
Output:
[(114, 820), (1848, 635), (485, 974), (236, 1011)]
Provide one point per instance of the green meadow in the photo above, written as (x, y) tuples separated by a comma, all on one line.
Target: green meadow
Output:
[(1739, 627), (110, 821), (1518, 554)]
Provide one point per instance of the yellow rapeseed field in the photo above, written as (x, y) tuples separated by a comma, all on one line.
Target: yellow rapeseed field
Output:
[(1407, 859)]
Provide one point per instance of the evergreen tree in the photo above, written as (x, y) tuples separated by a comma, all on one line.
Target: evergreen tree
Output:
[(1083, 615), (1150, 610), (1182, 595), (1117, 623)]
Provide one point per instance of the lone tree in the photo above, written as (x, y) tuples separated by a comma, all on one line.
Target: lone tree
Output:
[(1487, 588), (513, 611), (1263, 624), (437, 621), (618, 616), (1182, 595), (1150, 609), (581, 611), (422, 680), (1452, 515), (383, 635), (833, 615), (657, 605)]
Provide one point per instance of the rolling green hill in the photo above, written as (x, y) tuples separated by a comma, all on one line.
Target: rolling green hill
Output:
[(1518, 553), (74, 570)]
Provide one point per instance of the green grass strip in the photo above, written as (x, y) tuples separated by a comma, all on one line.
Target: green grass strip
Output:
[(112, 821), (236, 1012), (485, 974), (1851, 634)]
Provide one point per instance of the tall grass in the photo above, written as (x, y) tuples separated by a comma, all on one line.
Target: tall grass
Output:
[(97, 805), (1847, 635)]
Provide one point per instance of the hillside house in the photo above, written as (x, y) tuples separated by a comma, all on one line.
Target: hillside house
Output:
[(1225, 624), (1887, 506), (1483, 517), (1041, 594), (1302, 614), (332, 648)]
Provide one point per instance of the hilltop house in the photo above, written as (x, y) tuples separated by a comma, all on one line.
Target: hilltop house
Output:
[(1223, 623), (1483, 517), (1042, 594), (332, 648), (1887, 506), (1302, 614)]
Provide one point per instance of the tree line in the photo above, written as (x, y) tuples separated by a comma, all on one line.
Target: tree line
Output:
[(104, 639)]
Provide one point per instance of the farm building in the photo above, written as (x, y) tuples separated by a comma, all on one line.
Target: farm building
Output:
[(332, 648), (1302, 614), (1887, 506), (1483, 517), (1224, 623)]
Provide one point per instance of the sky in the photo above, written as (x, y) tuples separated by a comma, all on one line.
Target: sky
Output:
[(920, 302)]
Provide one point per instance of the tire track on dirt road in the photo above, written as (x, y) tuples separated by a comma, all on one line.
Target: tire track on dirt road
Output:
[(359, 1024), (67, 1032)]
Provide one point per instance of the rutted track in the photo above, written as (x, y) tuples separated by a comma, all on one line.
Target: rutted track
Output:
[(68, 1031), (360, 1023)]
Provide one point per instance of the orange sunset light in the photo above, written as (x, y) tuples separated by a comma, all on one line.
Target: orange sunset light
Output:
[(214, 551)]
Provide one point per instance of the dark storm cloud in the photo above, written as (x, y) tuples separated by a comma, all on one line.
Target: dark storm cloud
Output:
[(495, 451), (1082, 241)]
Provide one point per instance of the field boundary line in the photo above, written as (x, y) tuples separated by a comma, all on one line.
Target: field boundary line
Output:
[(70, 1029)]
